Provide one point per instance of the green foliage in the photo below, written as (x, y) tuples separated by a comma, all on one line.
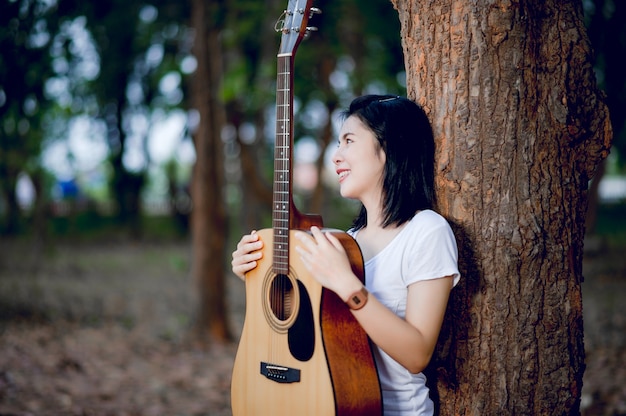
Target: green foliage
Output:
[(133, 46), (24, 68), (126, 36)]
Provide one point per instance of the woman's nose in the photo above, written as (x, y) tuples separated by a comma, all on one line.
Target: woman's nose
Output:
[(337, 156)]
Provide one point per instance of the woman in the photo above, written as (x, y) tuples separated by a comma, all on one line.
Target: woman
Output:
[(385, 159)]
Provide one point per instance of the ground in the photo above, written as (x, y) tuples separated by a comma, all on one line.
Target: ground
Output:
[(102, 329)]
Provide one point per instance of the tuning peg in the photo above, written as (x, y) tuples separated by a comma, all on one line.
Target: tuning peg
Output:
[(314, 10), (308, 31)]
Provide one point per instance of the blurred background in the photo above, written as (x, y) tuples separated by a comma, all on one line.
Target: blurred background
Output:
[(97, 298)]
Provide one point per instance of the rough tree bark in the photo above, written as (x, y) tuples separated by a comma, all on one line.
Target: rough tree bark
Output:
[(208, 216), (520, 128)]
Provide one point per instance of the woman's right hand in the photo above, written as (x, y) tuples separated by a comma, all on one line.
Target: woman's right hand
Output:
[(247, 254)]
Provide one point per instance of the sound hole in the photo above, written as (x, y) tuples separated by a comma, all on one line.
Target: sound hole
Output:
[(281, 297), (302, 333)]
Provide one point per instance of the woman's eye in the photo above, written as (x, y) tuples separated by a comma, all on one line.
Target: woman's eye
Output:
[(344, 141)]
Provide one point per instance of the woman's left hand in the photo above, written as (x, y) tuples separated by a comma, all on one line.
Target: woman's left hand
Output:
[(324, 256)]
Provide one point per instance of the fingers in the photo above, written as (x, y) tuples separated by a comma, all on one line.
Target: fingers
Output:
[(305, 257), (326, 240), (306, 240), (323, 255), (319, 245), (318, 237), (247, 239), (335, 242), (248, 244), (247, 254), (241, 269)]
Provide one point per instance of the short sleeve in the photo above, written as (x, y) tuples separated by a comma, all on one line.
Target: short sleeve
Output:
[(431, 250)]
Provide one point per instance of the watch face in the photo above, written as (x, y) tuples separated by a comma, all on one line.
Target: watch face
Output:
[(358, 299)]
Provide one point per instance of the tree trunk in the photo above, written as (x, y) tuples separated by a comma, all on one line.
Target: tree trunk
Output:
[(208, 217), (520, 128)]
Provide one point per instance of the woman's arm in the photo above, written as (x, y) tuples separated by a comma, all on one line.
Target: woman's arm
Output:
[(409, 341)]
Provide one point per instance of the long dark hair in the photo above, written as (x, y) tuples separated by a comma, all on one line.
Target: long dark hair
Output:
[(404, 133)]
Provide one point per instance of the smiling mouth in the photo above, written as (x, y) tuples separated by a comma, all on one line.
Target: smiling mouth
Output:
[(343, 174)]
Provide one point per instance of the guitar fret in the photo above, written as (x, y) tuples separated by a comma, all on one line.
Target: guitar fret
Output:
[(282, 164)]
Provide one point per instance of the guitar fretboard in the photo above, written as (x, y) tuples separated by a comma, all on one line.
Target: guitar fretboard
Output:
[(282, 164)]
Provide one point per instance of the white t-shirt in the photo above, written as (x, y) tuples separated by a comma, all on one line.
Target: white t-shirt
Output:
[(424, 249)]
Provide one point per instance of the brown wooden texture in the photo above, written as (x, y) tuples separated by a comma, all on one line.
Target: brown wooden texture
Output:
[(520, 128), (348, 349)]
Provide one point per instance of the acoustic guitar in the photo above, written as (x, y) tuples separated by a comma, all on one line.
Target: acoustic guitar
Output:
[(301, 351)]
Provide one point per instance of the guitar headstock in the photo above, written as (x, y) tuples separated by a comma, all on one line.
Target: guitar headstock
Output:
[(293, 24)]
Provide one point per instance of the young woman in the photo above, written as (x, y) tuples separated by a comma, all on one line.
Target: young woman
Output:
[(385, 159)]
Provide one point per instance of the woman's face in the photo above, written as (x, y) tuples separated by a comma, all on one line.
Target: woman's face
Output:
[(359, 162)]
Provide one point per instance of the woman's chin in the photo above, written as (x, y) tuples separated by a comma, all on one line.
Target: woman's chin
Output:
[(345, 193)]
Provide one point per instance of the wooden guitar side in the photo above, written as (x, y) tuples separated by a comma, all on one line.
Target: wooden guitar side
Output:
[(339, 379)]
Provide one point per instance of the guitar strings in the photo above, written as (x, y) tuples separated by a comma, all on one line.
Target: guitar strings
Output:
[(281, 193)]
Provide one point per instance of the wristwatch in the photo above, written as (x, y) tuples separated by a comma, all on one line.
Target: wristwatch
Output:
[(358, 299)]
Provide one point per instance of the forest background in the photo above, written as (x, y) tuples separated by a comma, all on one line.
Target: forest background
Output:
[(97, 297)]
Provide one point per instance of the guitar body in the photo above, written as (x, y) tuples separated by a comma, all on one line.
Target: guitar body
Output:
[(308, 358)]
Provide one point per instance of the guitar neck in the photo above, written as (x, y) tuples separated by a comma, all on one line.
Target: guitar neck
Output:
[(285, 216), (282, 208)]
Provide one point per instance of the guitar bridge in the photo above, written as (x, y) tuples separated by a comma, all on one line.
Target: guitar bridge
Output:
[(279, 373)]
